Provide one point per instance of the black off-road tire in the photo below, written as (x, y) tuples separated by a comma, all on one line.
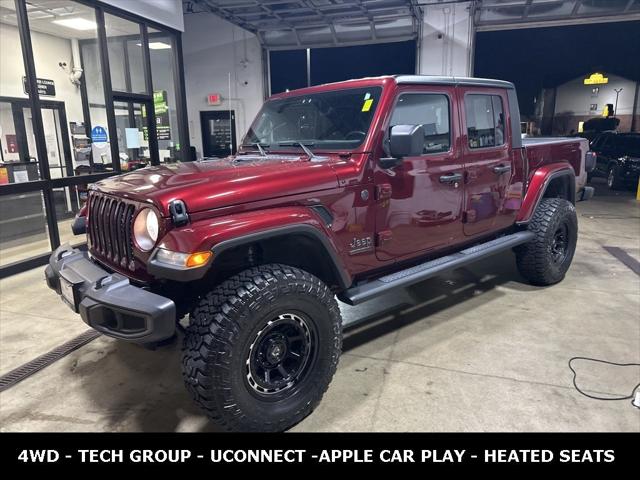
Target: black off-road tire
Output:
[(540, 261), (227, 328)]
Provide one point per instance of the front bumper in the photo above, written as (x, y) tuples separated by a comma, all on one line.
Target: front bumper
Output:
[(107, 301)]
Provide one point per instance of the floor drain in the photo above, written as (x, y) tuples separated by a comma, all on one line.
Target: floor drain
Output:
[(16, 375)]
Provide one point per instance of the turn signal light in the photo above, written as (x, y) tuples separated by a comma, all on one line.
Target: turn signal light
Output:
[(198, 259)]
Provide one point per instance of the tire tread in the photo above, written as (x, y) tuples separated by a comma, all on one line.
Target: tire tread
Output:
[(214, 327), (533, 258)]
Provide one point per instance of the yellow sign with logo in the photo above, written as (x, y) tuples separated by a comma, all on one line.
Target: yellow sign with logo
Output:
[(596, 79)]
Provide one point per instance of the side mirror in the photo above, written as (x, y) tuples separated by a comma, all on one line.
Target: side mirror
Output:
[(404, 141)]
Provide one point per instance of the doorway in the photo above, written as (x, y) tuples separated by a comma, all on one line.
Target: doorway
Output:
[(23, 221), (132, 129), (218, 133), (19, 153)]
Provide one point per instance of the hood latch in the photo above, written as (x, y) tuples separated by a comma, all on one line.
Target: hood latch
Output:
[(178, 211)]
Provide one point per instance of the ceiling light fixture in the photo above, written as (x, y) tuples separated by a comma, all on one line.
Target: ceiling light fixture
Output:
[(156, 45), (76, 23)]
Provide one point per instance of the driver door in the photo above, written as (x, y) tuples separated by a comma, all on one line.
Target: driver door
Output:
[(419, 205)]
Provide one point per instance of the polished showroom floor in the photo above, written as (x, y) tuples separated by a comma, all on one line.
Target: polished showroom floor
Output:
[(474, 350)]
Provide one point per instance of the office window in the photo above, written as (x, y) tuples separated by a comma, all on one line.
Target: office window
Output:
[(432, 112), (485, 120)]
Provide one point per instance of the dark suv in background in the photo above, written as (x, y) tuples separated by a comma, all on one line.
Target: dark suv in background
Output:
[(618, 159)]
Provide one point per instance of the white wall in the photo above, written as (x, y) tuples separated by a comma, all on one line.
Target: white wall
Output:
[(11, 65), (166, 12), (212, 49), (575, 97), (446, 44), (48, 52)]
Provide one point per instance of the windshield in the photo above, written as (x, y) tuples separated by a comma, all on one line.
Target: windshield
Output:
[(336, 120)]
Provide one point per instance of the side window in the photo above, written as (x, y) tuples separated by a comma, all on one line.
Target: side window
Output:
[(431, 110), (485, 120)]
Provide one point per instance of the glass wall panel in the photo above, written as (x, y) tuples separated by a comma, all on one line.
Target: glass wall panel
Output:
[(99, 152), (161, 53), (64, 38), (74, 107), (124, 42), (23, 227), (18, 162)]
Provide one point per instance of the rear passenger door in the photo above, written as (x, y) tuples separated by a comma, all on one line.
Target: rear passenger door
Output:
[(487, 156)]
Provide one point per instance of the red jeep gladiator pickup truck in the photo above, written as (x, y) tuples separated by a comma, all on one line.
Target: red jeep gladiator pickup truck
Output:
[(346, 190)]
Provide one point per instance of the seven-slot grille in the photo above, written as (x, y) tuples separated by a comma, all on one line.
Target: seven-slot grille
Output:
[(110, 228)]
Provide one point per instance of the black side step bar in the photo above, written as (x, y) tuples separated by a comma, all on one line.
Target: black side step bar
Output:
[(360, 293)]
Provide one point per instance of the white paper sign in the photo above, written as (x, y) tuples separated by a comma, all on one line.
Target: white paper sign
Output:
[(20, 176), (133, 139)]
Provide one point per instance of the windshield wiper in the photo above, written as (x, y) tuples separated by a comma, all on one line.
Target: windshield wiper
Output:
[(304, 147), (260, 146)]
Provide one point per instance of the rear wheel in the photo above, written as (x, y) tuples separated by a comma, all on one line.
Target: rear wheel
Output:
[(614, 181), (262, 348), (546, 259)]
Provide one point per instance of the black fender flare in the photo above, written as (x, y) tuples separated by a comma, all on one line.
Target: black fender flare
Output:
[(344, 279)]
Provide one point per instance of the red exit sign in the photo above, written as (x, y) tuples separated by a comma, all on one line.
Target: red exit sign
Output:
[(215, 99)]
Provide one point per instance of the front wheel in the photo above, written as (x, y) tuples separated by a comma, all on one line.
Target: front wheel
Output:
[(262, 348), (546, 259)]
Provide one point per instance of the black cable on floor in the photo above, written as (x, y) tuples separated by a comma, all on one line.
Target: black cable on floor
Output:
[(628, 397)]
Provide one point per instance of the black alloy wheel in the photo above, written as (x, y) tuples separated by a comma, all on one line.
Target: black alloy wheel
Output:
[(280, 354), (560, 243)]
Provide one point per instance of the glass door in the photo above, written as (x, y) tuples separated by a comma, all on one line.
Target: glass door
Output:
[(132, 128)]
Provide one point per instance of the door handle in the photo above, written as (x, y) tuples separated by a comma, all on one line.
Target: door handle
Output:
[(451, 178), (500, 169)]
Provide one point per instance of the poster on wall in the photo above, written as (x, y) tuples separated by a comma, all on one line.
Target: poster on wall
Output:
[(12, 143), (161, 109), (46, 87), (98, 134)]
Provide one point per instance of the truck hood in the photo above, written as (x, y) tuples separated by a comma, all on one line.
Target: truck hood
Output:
[(223, 182)]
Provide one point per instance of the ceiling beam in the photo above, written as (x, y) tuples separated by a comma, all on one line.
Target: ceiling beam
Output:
[(556, 22)]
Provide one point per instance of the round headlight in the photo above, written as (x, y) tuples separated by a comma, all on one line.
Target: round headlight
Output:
[(145, 229)]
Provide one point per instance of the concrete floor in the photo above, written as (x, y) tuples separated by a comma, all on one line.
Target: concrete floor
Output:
[(474, 350)]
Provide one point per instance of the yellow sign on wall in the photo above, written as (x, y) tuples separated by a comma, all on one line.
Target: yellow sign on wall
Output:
[(596, 79)]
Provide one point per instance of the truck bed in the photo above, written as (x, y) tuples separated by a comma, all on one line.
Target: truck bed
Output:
[(546, 150)]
